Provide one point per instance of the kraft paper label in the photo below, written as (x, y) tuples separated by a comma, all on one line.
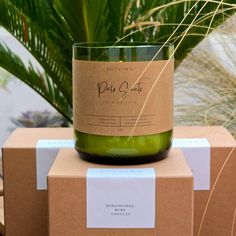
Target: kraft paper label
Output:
[(123, 98), (197, 153), (46, 152), (116, 200)]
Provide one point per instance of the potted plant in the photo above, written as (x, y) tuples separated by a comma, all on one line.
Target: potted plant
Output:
[(48, 28)]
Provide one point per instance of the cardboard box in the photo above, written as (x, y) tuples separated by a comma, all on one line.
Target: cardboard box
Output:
[(90, 199), (214, 205), (25, 174)]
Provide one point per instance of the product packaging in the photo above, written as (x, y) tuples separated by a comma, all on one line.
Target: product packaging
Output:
[(27, 156), (210, 152), (90, 199)]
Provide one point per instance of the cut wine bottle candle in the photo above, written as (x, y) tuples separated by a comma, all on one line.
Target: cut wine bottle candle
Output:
[(123, 101)]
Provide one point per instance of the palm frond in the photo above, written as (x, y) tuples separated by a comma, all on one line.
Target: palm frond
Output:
[(39, 44), (48, 28), (37, 80), (92, 21), (116, 18)]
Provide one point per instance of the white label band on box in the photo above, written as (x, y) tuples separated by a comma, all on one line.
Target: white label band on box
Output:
[(198, 155), (121, 198), (46, 151)]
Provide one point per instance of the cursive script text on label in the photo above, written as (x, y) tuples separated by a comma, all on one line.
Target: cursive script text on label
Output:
[(124, 88)]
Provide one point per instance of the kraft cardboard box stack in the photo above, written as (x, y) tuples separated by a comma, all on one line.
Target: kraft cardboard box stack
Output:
[(90, 199), (27, 156), (211, 154)]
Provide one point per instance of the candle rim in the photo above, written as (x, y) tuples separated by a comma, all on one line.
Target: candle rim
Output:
[(115, 45)]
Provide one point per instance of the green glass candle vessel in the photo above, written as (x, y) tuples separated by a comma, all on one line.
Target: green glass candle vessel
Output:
[(122, 101)]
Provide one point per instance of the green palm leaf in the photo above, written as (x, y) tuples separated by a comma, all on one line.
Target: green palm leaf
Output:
[(48, 28), (92, 21), (37, 80), (39, 44)]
